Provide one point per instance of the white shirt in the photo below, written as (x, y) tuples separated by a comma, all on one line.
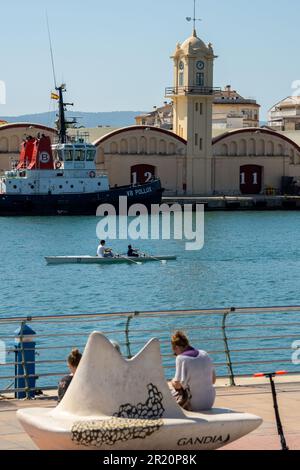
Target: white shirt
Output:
[(101, 251), (196, 373)]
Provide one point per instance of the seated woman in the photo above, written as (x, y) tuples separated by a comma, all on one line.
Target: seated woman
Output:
[(194, 373), (73, 361)]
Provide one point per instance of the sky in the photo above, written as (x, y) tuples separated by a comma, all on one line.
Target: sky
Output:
[(114, 55)]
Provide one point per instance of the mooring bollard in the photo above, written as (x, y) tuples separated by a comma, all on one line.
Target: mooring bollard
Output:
[(25, 362)]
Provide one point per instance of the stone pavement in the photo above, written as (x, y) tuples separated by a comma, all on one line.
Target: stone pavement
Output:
[(258, 400), (251, 396)]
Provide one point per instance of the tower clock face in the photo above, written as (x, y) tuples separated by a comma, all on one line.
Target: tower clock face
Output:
[(200, 65), (181, 65)]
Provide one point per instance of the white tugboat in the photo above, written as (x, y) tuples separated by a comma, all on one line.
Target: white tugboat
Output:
[(62, 178)]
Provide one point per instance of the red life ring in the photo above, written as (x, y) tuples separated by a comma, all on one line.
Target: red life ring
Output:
[(92, 174), (58, 165)]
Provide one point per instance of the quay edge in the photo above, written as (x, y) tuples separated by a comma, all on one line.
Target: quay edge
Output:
[(242, 203)]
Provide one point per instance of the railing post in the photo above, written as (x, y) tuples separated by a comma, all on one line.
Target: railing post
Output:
[(25, 361), (129, 318), (227, 350)]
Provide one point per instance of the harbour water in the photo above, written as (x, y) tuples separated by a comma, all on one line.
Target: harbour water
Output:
[(249, 259)]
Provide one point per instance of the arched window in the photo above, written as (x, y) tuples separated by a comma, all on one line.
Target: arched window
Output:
[(162, 147), (261, 148), (143, 145), (243, 148), (224, 150), (133, 145), (233, 149), (270, 148), (124, 146), (171, 149), (14, 144), (3, 144), (100, 156), (252, 147), (292, 156), (113, 148), (153, 146), (280, 150)]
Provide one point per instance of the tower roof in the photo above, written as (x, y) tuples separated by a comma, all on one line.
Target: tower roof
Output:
[(194, 44)]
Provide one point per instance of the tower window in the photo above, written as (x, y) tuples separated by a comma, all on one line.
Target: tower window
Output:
[(201, 144), (181, 79), (200, 79), (197, 107), (201, 108), (196, 139)]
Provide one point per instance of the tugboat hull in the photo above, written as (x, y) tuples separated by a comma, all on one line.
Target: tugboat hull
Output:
[(78, 204)]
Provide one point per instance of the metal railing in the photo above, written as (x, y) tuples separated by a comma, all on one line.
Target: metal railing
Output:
[(241, 341), (191, 90)]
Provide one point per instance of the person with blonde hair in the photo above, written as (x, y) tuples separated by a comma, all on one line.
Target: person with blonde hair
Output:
[(73, 362), (194, 377)]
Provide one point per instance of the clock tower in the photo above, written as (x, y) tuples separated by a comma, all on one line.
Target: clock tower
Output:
[(192, 95)]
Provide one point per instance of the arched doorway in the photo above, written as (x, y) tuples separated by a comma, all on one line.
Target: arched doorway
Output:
[(142, 173), (251, 179)]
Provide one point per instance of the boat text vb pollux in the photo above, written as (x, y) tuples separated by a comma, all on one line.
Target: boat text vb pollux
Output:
[(62, 178)]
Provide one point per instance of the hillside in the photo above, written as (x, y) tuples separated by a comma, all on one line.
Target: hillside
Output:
[(113, 118)]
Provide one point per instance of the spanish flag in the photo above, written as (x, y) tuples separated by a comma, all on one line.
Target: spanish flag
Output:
[(54, 96)]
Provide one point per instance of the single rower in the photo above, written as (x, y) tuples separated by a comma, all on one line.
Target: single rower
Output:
[(104, 252), (132, 253)]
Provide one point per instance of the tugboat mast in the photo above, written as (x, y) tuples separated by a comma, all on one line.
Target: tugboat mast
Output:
[(62, 123)]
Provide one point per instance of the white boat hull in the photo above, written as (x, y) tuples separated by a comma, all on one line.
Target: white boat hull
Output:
[(97, 260)]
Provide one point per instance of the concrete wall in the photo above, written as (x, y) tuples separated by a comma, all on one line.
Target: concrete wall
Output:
[(169, 169), (119, 151), (277, 155), (227, 172)]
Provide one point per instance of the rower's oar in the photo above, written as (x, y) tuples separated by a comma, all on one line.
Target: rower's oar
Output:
[(162, 261), (128, 259), (135, 262)]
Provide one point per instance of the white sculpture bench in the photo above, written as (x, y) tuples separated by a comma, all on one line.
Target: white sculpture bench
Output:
[(114, 403)]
